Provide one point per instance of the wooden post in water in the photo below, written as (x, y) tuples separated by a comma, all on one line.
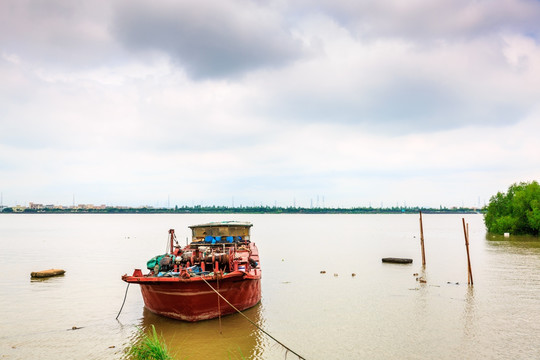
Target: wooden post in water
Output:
[(422, 240), (466, 233), (469, 271)]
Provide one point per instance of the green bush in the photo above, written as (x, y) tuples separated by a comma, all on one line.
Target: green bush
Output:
[(517, 211)]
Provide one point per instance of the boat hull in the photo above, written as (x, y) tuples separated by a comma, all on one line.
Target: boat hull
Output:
[(193, 299)]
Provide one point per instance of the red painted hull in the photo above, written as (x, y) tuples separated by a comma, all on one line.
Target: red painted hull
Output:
[(193, 300)]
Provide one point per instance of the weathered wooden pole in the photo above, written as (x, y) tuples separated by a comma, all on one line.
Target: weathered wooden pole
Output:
[(466, 233), (469, 271), (422, 240)]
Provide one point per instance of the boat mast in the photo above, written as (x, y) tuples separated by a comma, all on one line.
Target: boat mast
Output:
[(171, 232)]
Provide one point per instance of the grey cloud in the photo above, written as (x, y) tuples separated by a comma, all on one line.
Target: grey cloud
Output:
[(402, 106), (208, 38), (421, 20), (59, 34)]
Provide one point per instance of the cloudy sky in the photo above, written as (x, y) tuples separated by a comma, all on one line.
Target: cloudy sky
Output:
[(132, 102)]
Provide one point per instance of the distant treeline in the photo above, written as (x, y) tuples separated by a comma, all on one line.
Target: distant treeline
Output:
[(248, 210)]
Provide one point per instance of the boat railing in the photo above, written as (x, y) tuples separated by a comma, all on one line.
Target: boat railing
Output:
[(214, 240)]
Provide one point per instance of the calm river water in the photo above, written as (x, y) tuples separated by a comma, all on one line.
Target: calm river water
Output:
[(381, 313)]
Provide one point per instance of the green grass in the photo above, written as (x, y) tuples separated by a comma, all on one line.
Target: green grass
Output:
[(150, 347), (234, 356)]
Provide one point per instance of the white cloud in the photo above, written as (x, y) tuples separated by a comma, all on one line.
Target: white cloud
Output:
[(365, 102)]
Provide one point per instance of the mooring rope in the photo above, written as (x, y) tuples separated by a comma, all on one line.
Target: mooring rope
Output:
[(218, 305), (248, 319), (123, 302)]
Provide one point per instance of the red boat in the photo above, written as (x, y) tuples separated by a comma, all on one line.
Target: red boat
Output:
[(182, 283)]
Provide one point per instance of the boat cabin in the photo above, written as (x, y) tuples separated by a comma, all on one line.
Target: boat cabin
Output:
[(224, 232)]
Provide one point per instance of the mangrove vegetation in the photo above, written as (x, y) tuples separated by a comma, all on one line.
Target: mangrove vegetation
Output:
[(516, 212)]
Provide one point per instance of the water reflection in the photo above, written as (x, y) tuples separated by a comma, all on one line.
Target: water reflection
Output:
[(422, 297), (516, 239), (232, 338), (51, 279), (519, 244), (469, 314)]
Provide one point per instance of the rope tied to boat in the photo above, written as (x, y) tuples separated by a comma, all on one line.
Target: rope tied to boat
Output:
[(218, 303), (123, 302), (253, 323)]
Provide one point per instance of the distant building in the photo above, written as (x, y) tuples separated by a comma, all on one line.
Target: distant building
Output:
[(35, 206)]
